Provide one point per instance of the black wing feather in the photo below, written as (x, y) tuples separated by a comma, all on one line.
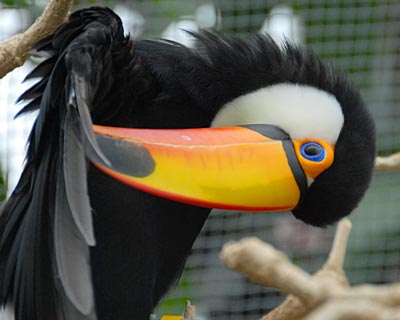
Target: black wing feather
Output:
[(46, 225), (43, 69), (31, 106), (35, 91)]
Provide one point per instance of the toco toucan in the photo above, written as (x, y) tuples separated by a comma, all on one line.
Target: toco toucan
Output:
[(135, 142)]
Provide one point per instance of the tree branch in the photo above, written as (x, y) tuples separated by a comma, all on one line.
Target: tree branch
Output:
[(264, 265), (190, 311), (14, 51), (343, 309), (338, 251), (326, 295), (389, 163)]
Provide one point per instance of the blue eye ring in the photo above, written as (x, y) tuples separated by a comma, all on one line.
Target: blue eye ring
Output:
[(312, 151)]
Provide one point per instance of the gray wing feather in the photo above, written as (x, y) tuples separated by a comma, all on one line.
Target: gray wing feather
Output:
[(72, 257), (75, 171)]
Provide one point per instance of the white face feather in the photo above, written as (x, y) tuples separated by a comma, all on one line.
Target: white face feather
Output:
[(303, 112)]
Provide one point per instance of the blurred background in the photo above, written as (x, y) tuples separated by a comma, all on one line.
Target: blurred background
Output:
[(361, 38)]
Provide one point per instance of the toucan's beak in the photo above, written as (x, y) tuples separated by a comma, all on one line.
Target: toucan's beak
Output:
[(252, 168)]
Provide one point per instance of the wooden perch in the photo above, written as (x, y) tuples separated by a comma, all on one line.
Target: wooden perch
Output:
[(341, 309), (190, 311), (326, 295), (264, 265), (14, 51), (389, 163)]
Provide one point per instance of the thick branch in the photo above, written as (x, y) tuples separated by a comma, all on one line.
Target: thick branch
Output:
[(330, 276), (14, 51), (388, 295), (358, 309), (326, 295), (264, 265), (190, 311), (290, 309), (389, 163)]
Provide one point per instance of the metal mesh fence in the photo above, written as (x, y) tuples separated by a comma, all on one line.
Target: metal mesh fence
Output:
[(360, 37)]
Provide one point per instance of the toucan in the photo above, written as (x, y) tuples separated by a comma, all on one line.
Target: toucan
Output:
[(134, 143)]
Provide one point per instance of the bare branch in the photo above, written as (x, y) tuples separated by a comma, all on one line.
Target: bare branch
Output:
[(344, 309), (330, 276), (389, 163), (326, 295), (190, 311), (339, 247), (14, 51), (290, 309), (264, 265), (388, 295)]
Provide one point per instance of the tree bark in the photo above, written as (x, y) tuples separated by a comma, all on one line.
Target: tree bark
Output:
[(14, 51)]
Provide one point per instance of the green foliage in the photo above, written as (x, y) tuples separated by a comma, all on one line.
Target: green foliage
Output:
[(175, 304), (16, 3), (91, 2), (31, 3)]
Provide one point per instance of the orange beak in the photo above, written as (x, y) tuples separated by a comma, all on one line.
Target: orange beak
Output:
[(251, 168)]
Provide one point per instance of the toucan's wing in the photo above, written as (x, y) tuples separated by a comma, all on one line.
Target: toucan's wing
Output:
[(46, 225)]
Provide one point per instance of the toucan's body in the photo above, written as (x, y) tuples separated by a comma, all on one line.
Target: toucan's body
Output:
[(76, 243)]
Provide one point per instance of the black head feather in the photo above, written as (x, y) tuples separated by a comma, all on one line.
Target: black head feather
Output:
[(222, 68), (241, 66), (338, 190)]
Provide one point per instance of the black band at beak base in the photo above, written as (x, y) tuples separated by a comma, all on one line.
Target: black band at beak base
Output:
[(276, 133)]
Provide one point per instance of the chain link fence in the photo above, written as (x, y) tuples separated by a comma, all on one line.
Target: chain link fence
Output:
[(361, 38)]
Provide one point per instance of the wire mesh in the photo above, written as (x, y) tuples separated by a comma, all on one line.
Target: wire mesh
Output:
[(359, 37)]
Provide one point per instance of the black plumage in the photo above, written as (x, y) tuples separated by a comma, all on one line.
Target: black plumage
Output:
[(76, 244)]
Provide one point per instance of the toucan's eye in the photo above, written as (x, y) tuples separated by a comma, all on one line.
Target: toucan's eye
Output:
[(313, 151)]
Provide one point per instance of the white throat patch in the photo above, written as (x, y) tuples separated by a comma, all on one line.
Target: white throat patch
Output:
[(304, 112)]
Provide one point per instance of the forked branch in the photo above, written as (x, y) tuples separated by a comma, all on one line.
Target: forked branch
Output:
[(325, 295)]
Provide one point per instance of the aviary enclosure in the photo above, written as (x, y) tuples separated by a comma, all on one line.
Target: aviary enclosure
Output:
[(359, 37)]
